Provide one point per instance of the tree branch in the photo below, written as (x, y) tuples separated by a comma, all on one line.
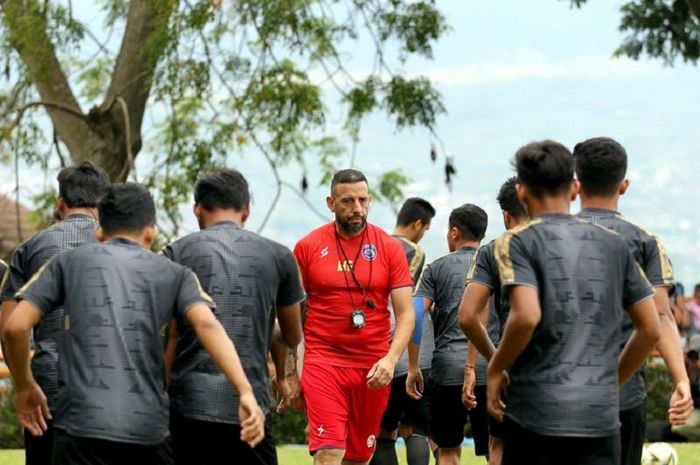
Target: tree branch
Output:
[(136, 62), (27, 31), (694, 6)]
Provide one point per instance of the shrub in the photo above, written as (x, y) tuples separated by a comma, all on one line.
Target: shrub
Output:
[(11, 435)]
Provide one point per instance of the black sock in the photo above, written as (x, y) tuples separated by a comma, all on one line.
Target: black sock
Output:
[(385, 453), (417, 450)]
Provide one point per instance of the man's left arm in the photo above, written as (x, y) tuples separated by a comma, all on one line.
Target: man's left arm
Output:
[(382, 372), (660, 273)]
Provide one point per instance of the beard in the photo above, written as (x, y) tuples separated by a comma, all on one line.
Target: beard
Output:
[(348, 227)]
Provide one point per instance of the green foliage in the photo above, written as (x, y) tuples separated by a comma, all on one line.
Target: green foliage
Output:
[(659, 389), (11, 435), (288, 427), (665, 29)]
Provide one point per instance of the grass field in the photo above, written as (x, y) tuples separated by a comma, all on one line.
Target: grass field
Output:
[(688, 454)]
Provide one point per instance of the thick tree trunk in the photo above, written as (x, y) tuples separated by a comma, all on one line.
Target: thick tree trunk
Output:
[(101, 135)]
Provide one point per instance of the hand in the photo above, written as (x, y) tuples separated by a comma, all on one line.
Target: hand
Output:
[(252, 420), (681, 404), (468, 397), (496, 383), (33, 409), (381, 373), (291, 396), (414, 384)]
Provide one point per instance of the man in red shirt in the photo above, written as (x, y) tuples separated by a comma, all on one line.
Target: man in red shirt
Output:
[(349, 269)]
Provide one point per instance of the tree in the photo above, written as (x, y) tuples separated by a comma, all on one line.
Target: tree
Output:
[(218, 78), (666, 29)]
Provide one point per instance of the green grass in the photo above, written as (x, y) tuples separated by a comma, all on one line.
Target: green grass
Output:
[(688, 454)]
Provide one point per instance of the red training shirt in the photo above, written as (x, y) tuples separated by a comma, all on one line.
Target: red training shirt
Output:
[(329, 336)]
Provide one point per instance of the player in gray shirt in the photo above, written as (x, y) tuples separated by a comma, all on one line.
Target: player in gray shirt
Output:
[(405, 416), (254, 282), (118, 299), (568, 283), (79, 188), (601, 165), (442, 284)]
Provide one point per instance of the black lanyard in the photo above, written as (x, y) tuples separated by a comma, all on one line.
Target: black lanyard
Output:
[(341, 250)]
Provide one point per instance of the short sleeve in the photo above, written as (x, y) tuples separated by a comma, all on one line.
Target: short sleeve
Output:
[(399, 275), (45, 289), (300, 255), (15, 277), (190, 293), (636, 287), (657, 265), (483, 269), (290, 290), (515, 266), (426, 284)]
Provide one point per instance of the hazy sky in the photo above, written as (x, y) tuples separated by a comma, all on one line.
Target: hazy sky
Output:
[(511, 73)]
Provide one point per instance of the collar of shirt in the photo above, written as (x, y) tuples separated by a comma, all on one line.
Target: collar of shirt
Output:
[(76, 216), (124, 241), (556, 216), (600, 211), (224, 223)]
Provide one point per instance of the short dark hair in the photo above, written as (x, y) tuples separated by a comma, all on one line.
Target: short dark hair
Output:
[(126, 207), (225, 188), (601, 165), (545, 167), (415, 208), (347, 176), (82, 186), (470, 220), (508, 199)]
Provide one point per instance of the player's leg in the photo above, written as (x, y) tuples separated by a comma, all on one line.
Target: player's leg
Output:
[(416, 428), (39, 449), (447, 420), (368, 406), (327, 409), (385, 454), (632, 434), (478, 418)]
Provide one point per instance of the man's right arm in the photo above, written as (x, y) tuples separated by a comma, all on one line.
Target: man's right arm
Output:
[(644, 337), (475, 302)]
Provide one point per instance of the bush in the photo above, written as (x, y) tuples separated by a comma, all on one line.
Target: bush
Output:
[(659, 390), (11, 435), (288, 428)]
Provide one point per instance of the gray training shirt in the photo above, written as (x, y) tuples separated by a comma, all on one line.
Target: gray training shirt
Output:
[(118, 301), (564, 383), (650, 253), (416, 260), (443, 282), (485, 271), (28, 258), (248, 276)]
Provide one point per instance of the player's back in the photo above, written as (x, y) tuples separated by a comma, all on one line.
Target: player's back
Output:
[(248, 276), (565, 381), (72, 232), (118, 300)]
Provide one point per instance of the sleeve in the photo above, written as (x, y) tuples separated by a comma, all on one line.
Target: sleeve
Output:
[(190, 293), (300, 255), (426, 284), (657, 265), (290, 290), (483, 269), (45, 289), (636, 286), (15, 276), (399, 275), (515, 266), (416, 265)]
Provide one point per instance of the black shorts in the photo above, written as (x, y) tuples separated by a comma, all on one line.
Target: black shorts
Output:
[(524, 446), (197, 442), (39, 449), (75, 450), (633, 430), (401, 409), (448, 416), (478, 417)]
